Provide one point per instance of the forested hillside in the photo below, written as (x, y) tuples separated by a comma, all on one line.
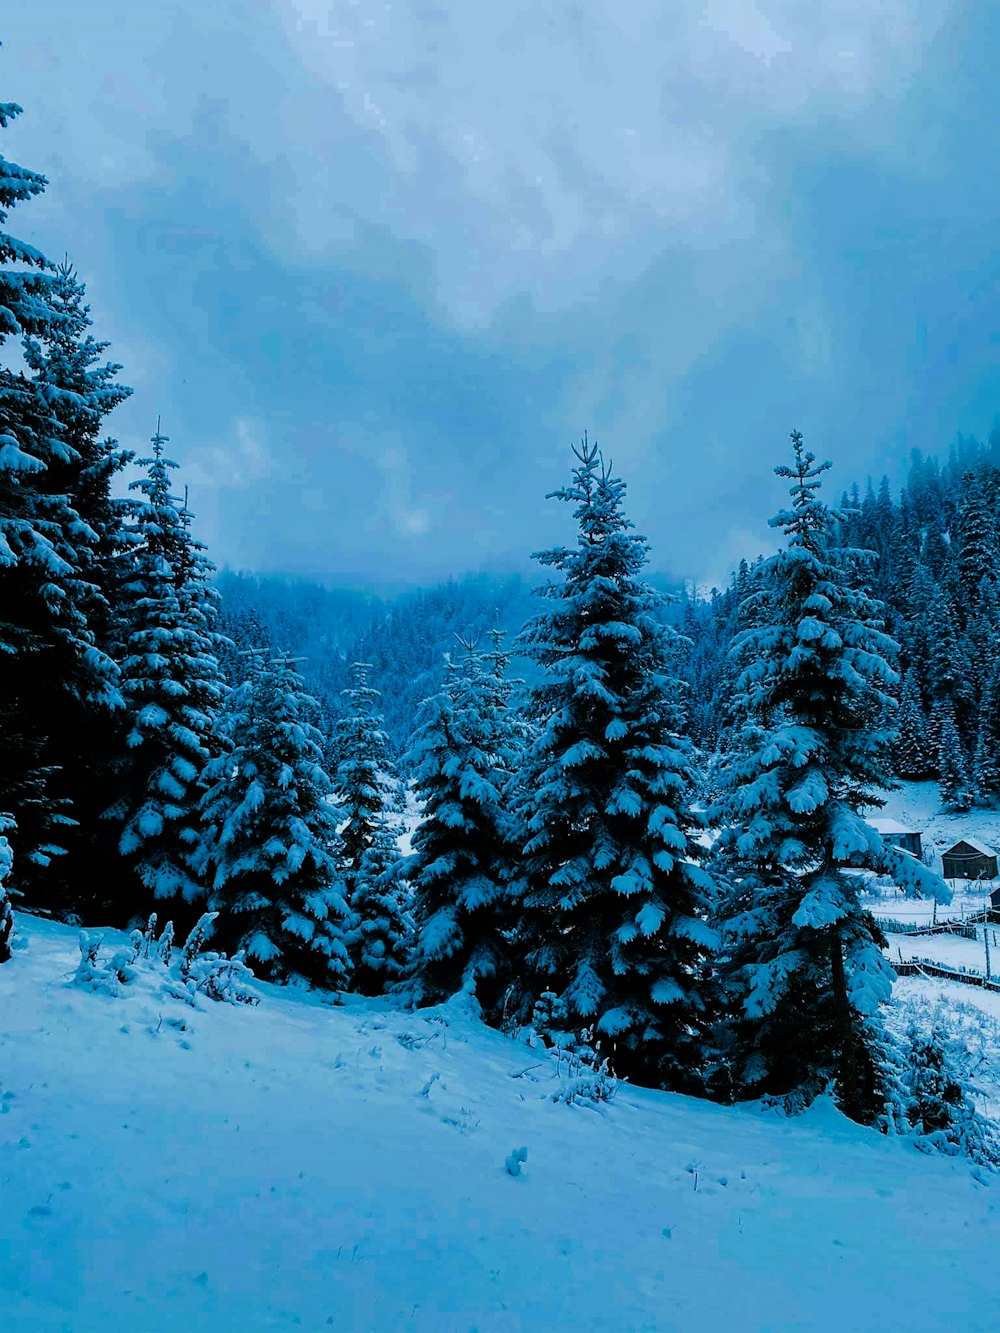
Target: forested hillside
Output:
[(936, 570)]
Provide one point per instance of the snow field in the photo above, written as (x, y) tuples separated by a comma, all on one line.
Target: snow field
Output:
[(303, 1166)]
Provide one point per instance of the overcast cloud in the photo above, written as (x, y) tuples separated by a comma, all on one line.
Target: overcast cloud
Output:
[(377, 265)]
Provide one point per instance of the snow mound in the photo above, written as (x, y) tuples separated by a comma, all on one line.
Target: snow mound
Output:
[(299, 1165)]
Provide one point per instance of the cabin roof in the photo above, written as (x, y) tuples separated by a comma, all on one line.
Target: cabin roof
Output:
[(977, 845), (890, 826)]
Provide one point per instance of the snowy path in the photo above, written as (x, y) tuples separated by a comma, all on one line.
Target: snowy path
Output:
[(279, 1168)]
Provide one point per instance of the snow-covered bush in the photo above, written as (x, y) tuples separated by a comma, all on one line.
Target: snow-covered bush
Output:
[(195, 972), (940, 1110), (584, 1075), (939, 1056)]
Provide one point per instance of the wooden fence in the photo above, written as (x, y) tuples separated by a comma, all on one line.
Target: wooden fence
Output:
[(909, 967)]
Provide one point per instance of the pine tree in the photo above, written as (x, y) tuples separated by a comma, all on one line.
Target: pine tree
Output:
[(986, 769), (944, 659), (912, 756), (23, 280), (952, 764), (173, 689), (85, 715), (978, 548), (51, 665), (611, 893), (367, 794), (271, 831), (461, 845), (803, 962)]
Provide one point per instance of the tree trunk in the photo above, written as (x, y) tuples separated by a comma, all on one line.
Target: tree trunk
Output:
[(850, 1100)]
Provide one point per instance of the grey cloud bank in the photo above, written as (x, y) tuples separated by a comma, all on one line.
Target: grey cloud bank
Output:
[(377, 266)]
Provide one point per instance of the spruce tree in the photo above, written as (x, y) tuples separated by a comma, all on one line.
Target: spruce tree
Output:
[(461, 845), (367, 795), (173, 689), (610, 890), (268, 850), (986, 769), (23, 277), (803, 965), (952, 764), (85, 716), (52, 668), (978, 547), (912, 756)]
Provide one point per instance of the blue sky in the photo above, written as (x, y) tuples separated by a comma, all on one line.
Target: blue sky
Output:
[(377, 265)]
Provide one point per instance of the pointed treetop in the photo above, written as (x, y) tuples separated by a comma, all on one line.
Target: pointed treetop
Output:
[(806, 524)]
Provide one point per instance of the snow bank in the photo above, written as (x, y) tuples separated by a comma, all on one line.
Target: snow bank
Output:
[(303, 1166)]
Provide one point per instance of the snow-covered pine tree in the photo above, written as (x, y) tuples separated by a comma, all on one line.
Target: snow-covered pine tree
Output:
[(610, 889), (511, 729), (23, 277), (84, 712), (805, 974), (978, 546), (49, 659), (912, 758), (271, 831), (6, 910), (367, 796), (986, 764), (952, 763), (173, 689), (944, 662), (461, 845)]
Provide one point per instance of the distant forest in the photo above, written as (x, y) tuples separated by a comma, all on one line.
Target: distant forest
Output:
[(936, 568)]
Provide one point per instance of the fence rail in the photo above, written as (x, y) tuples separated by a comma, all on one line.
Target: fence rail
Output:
[(966, 927), (907, 967)]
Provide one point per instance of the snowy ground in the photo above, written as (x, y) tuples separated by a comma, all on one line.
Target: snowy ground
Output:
[(951, 950), (301, 1166)]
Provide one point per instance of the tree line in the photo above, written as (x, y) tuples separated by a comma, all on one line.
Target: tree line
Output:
[(563, 873)]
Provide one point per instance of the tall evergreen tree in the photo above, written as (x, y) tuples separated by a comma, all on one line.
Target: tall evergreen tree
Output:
[(461, 845), (271, 831), (24, 307), (986, 771), (912, 756), (978, 547), (804, 967), (952, 764), (611, 892), (52, 669), (173, 689), (367, 794), (84, 712)]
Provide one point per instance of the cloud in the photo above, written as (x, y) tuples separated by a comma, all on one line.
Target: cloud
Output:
[(378, 266), (564, 139)]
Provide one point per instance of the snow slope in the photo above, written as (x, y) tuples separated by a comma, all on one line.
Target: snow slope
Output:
[(302, 1166)]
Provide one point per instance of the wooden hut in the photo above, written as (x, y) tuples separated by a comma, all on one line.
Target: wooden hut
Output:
[(905, 837), (969, 859)]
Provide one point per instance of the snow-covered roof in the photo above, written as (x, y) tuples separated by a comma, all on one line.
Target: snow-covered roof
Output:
[(975, 843), (889, 826)]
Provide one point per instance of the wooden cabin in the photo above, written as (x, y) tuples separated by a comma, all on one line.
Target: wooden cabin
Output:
[(969, 859), (904, 837)]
